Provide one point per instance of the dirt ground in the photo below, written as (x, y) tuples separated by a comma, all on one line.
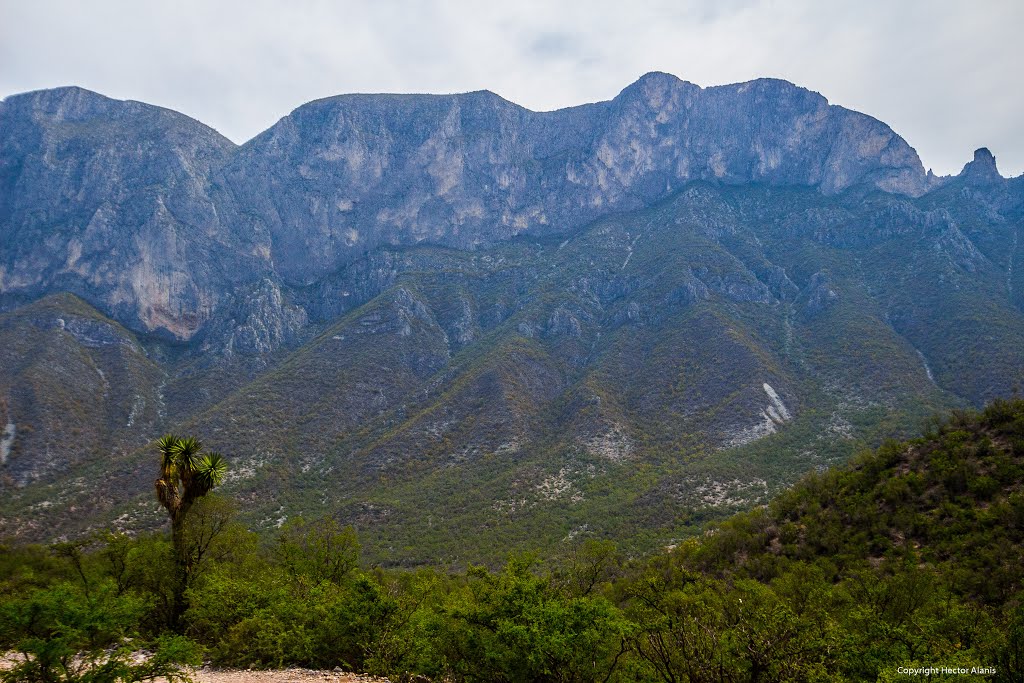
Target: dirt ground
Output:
[(207, 675), (282, 676)]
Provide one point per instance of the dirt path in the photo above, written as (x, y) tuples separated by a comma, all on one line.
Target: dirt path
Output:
[(280, 676), (208, 675)]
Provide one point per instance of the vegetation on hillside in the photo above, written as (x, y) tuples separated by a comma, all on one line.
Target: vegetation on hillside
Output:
[(608, 380), (912, 556)]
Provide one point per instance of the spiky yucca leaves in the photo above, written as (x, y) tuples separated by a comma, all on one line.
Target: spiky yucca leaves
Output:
[(186, 474)]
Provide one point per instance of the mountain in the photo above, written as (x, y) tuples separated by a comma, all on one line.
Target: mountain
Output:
[(66, 371), (462, 326), (190, 216)]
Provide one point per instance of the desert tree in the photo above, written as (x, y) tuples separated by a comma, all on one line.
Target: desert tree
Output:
[(186, 475)]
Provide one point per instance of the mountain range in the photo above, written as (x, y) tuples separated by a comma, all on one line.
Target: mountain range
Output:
[(463, 326)]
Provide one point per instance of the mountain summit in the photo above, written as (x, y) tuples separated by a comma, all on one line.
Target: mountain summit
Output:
[(982, 169)]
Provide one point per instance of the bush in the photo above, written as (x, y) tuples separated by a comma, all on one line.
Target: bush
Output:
[(68, 633)]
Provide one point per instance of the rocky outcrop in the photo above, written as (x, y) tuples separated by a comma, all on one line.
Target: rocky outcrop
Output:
[(982, 169), (260, 322)]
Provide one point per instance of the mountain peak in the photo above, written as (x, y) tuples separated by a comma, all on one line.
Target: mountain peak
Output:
[(67, 102), (656, 82), (59, 92), (74, 104), (982, 168), (659, 77)]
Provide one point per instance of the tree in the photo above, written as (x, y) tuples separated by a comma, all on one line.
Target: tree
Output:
[(186, 475), (518, 626), (318, 551)]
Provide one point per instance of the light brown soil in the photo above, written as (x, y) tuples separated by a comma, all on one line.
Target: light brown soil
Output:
[(281, 676), (208, 675)]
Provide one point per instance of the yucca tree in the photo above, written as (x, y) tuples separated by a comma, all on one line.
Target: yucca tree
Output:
[(186, 475)]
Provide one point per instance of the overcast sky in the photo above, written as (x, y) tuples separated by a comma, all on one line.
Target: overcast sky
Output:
[(945, 75)]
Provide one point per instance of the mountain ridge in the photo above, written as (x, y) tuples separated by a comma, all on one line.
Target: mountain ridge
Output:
[(620, 319), (346, 174), (651, 75)]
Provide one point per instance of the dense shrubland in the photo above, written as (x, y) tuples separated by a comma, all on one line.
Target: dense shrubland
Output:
[(910, 556)]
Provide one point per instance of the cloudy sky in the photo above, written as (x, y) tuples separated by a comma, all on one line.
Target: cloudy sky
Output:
[(946, 75)]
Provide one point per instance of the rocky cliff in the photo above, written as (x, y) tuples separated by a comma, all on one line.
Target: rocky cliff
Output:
[(156, 218)]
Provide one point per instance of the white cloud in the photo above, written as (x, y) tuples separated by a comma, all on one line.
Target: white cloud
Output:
[(942, 73)]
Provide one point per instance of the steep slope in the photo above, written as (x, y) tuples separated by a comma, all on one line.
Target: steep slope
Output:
[(75, 387), (658, 368), (951, 501), (119, 203), (909, 556), (156, 219), (359, 171)]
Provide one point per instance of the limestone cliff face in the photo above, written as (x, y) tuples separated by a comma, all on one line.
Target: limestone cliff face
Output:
[(158, 220), (118, 202), (343, 175), (664, 132)]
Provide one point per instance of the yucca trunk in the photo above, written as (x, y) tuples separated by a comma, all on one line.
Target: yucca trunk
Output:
[(181, 570)]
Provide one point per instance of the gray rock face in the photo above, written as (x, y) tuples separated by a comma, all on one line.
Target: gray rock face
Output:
[(117, 202), (982, 170), (156, 218), (343, 175), (819, 295), (260, 322)]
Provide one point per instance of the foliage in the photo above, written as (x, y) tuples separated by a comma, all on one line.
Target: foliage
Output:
[(317, 551), (304, 603), (77, 633), (186, 474), (516, 626), (909, 556)]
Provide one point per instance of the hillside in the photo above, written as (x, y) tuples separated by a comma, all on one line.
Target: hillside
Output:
[(619, 320), (504, 389), (907, 559), (951, 501)]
